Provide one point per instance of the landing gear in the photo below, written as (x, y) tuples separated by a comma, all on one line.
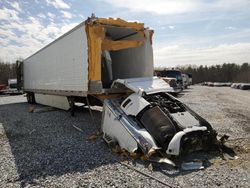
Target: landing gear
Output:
[(72, 105), (31, 98)]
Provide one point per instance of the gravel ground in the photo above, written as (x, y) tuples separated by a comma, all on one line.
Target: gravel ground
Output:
[(44, 150)]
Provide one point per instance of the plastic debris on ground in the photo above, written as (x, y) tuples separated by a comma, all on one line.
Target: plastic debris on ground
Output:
[(162, 160), (33, 109), (193, 165)]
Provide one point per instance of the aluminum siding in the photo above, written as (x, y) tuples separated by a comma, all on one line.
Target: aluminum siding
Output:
[(62, 65)]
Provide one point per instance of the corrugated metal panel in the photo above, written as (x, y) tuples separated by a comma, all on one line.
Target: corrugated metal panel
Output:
[(134, 62), (63, 65)]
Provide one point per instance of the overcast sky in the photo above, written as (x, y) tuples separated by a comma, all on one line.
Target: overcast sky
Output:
[(186, 31)]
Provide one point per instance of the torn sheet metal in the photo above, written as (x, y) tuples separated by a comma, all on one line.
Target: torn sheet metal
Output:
[(99, 41), (120, 22)]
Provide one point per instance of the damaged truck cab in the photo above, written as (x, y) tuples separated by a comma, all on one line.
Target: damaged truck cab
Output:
[(152, 120)]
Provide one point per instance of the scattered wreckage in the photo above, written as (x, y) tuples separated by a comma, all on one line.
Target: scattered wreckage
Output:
[(110, 62), (242, 86), (217, 84)]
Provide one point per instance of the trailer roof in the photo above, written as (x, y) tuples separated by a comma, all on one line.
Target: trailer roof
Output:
[(103, 21), (65, 34)]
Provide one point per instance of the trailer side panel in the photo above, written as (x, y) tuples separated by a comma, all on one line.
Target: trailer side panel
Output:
[(60, 67)]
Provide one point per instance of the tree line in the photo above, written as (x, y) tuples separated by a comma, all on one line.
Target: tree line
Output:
[(227, 72)]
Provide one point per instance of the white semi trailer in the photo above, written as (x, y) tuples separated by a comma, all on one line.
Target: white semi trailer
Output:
[(111, 60), (86, 60)]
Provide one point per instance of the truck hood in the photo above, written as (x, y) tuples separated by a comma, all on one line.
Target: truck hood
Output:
[(149, 85)]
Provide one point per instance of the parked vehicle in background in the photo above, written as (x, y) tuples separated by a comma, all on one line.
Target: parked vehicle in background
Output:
[(222, 84), (2, 88), (12, 83), (185, 81), (172, 82), (12, 87), (211, 84), (171, 73), (190, 78), (217, 84), (242, 86), (245, 86)]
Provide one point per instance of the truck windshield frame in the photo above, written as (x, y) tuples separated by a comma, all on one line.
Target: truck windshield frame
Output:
[(13, 86)]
